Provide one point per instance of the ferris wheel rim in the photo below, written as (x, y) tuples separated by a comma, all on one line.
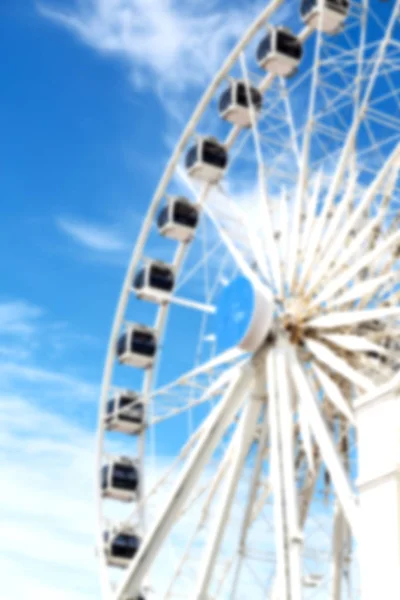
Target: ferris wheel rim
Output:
[(135, 258), (155, 203)]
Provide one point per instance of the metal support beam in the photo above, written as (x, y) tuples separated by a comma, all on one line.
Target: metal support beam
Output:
[(339, 547), (240, 447), (287, 531), (222, 416), (326, 445)]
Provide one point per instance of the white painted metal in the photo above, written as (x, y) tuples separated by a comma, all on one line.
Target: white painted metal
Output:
[(348, 147), (361, 290), (242, 442), (378, 426), (354, 343), (336, 245), (305, 434), (255, 482), (339, 548), (284, 409), (270, 246), (334, 394), (335, 363), (208, 308), (294, 240), (280, 525), (341, 319), (345, 494), (222, 416)]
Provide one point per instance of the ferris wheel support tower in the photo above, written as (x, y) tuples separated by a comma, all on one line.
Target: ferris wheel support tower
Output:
[(378, 426)]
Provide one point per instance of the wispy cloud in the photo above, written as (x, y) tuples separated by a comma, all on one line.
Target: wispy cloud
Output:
[(29, 343), (18, 317), (16, 374), (51, 535), (182, 43), (95, 237)]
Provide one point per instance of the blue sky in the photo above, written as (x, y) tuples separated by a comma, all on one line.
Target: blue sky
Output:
[(86, 131)]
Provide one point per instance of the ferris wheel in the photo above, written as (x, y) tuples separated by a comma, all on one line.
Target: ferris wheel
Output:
[(257, 320)]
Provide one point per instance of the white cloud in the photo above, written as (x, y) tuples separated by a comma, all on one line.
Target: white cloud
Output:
[(25, 337), (48, 381), (94, 237), (46, 546), (182, 43), (18, 317)]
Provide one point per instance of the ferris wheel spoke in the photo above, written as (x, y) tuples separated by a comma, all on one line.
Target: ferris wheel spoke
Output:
[(179, 460), (249, 515), (323, 354), (333, 393), (326, 445), (348, 147), (221, 584), (368, 237), (287, 532), (199, 264), (363, 290), (264, 201), (285, 419), (310, 214), (355, 217), (354, 343), (289, 112), (208, 393), (307, 492), (252, 238), (304, 163), (366, 260), (241, 262), (204, 516), (340, 319), (183, 393), (220, 418), (240, 446), (225, 237), (338, 550), (306, 434)]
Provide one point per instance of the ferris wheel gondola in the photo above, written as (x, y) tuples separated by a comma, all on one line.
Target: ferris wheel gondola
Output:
[(154, 282), (120, 545), (137, 347), (207, 160), (327, 14), (125, 413), (237, 101), (280, 52), (120, 479), (178, 220)]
